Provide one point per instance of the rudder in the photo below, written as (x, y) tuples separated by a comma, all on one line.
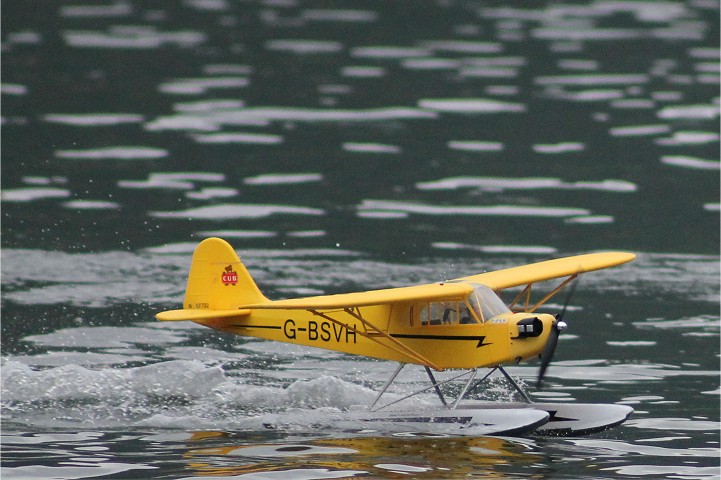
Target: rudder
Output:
[(218, 280)]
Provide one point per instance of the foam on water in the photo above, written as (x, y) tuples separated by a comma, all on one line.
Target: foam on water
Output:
[(106, 337), (166, 394)]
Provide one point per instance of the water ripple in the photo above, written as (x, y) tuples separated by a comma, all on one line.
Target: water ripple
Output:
[(370, 208), (470, 105), (93, 119), (497, 184), (213, 120), (137, 38), (233, 211), (113, 153)]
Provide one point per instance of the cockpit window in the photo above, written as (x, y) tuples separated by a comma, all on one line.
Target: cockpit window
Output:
[(445, 313), (486, 304)]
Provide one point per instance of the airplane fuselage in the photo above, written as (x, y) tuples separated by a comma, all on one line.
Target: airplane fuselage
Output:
[(491, 343)]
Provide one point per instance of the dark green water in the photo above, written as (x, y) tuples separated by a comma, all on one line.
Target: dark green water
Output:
[(342, 147)]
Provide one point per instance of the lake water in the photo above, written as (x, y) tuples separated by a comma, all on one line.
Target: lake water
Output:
[(339, 147)]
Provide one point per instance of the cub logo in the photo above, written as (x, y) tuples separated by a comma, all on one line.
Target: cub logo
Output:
[(229, 277)]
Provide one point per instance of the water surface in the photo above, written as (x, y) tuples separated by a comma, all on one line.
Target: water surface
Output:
[(345, 147)]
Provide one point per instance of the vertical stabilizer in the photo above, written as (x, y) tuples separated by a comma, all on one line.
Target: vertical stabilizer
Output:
[(218, 280)]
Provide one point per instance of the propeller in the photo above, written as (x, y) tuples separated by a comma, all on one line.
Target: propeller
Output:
[(558, 326)]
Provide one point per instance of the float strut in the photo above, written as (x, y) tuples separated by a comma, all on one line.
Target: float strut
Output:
[(515, 385), (436, 387), (465, 389), (388, 384)]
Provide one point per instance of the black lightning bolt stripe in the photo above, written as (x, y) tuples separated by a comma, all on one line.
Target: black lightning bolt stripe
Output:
[(270, 327), (480, 338)]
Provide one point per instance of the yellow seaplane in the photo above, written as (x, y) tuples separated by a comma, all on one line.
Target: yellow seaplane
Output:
[(454, 324)]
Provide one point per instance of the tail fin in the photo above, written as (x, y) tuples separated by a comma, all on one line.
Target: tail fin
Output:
[(218, 280)]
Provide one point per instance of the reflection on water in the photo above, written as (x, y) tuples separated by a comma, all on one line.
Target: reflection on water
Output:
[(222, 454), (202, 454), (430, 457)]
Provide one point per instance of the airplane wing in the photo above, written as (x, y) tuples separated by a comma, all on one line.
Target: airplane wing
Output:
[(453, 290), (550, 269), (430, 292)]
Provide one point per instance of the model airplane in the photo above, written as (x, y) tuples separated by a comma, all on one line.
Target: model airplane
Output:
[(455, 324)]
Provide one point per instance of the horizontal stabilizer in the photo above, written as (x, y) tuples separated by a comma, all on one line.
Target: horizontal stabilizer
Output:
[(199, 314)]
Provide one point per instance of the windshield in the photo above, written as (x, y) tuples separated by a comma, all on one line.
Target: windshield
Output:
[(486, 303)]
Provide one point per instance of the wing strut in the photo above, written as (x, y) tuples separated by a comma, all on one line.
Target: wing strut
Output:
[(372, 333), (527, 294)]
